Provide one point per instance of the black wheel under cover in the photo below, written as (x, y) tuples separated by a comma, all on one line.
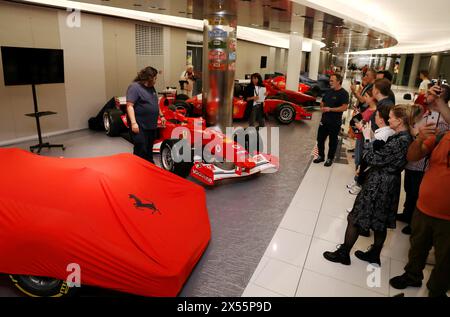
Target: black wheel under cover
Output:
[(285, 113), (37, 286), (172, 157), (112, 122)]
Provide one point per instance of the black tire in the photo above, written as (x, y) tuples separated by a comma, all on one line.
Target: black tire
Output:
[(250, 146), (112, 122), (181, 97), (37, 286), (182, 105), (285, 113), (314, 91), (168, 155), (309, 104)]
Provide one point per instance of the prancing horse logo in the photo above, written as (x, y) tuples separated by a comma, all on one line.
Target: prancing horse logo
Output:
[(139, 204)]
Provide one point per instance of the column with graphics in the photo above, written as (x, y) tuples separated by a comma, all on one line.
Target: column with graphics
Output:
[(219, 57)]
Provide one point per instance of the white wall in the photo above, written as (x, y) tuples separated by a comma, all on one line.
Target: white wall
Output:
[(84, 66), (27, 26), (248, 58)]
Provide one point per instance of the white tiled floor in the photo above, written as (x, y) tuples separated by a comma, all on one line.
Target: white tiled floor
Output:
[(293, 264), (300, 220), (315, 284), (289, 246), (279, 277)]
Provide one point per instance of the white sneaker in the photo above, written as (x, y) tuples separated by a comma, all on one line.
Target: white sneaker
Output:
[(355, 190), (350, 185)]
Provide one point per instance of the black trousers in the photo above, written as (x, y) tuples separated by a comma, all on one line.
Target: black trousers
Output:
[(413, 179), (331, 131), (427, 232), (143, 144), (257, 114)]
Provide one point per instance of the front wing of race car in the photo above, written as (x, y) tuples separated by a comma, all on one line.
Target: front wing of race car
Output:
[(209, 173)]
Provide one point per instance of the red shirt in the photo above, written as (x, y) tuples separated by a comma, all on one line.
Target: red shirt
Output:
[(366, 118), (434, 194)]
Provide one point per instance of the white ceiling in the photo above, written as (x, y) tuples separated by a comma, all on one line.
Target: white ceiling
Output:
[(419, 26), (251, 34)]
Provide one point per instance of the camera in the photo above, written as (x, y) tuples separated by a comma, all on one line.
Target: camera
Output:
[(436, 82)]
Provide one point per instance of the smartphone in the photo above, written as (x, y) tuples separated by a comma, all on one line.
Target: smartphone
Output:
[(433, 118)]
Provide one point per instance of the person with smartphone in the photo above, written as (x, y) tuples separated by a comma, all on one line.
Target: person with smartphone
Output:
[(367, 81), (431, 219), (414, 170), (364, 117), (374, 206)]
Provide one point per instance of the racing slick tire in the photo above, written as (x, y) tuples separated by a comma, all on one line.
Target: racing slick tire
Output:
[(178, 104), (169, 156), (314, 91), (37, 286), (285, 113), (182, 97), (112, 122)]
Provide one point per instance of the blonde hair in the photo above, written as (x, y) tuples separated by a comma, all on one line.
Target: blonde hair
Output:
[(409, 114)]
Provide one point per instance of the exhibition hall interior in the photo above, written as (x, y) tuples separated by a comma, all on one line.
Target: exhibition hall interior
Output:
[(224, 148)]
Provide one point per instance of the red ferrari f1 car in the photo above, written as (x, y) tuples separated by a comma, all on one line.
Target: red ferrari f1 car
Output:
[(188, 147), (116, 222), (285, 105)]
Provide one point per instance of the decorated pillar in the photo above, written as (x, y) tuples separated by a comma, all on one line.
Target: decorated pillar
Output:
[(220, 26)]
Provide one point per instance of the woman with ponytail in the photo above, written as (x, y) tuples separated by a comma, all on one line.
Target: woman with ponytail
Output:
[(375, 206)]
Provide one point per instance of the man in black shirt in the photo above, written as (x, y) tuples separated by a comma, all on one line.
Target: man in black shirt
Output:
[(334, 103)]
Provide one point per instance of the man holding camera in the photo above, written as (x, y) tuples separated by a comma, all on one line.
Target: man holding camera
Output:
[(368, 81), (431, 219), (334, 103)]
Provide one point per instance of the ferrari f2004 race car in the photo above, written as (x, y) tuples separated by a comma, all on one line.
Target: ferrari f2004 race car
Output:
[(188, 147)]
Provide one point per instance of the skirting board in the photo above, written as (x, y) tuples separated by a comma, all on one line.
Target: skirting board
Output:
[(34, 137)]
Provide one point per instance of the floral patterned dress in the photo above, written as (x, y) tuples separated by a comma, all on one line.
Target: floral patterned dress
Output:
[(376, 204)]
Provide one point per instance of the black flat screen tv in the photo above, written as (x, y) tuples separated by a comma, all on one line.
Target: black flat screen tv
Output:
[(26, 66)]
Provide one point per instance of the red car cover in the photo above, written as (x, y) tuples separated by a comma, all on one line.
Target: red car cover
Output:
[(128, 224)]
